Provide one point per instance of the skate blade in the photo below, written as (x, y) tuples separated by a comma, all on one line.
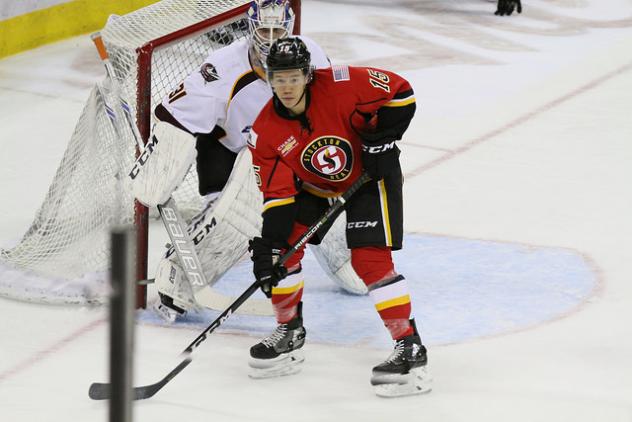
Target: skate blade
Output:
[(286, 364), (417, 381)]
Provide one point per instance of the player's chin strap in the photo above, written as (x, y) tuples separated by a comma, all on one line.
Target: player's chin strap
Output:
[(102, 391)]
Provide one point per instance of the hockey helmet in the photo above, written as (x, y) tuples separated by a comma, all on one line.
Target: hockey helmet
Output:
[(269, 20), (288, 54)]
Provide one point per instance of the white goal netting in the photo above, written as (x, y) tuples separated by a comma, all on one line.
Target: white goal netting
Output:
[(63, 257)]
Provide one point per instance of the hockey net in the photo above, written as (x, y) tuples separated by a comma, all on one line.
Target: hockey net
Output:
[(63, 256)]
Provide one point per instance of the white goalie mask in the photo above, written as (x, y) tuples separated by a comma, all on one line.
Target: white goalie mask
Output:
[(268, 20)]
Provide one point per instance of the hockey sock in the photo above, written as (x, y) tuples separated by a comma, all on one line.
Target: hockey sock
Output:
[(297, 231), (388, 290), (287, 295)]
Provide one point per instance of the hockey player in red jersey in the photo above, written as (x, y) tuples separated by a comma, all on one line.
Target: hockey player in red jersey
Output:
[(310, 142)]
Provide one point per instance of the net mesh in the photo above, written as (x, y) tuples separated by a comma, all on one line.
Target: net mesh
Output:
[(63, 257)]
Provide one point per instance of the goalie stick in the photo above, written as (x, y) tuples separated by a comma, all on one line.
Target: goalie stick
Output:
[(169, 213), (102, 391)]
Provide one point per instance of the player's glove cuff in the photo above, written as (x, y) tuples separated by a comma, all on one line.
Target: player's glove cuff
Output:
[(265, 254), (379, 158)]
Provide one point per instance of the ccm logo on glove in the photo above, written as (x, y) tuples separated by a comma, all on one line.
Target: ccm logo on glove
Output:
[(378, 149)]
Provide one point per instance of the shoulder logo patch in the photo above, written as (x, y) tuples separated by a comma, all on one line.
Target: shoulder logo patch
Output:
[(341, 73), (209, 73)]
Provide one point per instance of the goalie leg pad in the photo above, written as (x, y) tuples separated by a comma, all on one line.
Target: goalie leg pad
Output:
[(334, 257), (171, 282), (163, 164), (221, 232)]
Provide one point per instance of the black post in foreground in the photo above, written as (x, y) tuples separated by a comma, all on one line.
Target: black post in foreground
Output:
[(122, 323), (101, 391)]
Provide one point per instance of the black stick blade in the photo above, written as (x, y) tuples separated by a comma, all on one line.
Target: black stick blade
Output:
[(99, 391), (102, 391)]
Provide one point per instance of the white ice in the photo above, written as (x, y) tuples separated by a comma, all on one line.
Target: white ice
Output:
[(518, 203)]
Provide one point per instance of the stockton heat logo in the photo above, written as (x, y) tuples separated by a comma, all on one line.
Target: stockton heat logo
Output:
[(330, 157)]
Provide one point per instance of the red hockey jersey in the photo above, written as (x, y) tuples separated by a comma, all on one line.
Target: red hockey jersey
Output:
[(324, 150)]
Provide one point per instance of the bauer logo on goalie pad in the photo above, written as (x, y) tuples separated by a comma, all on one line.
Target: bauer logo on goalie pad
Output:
[(179, 237), (142, 159), (198, 235)]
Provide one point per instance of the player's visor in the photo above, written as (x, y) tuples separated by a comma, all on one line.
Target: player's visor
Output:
[(285, 78)]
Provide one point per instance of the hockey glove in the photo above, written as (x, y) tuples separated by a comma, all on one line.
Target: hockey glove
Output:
[(506, 7), (379, 158), (265, 253)]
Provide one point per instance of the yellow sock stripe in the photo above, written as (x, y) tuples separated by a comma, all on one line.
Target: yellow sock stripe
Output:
[(287, 290), (55, 23), (385, 216), (402, 300)]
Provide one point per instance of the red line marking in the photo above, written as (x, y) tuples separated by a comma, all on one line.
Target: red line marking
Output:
[(517, 122), (48, 351)]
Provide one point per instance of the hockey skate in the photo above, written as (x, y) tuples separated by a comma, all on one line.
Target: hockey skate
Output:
[(167, 310), (405, 371), (279, 354)]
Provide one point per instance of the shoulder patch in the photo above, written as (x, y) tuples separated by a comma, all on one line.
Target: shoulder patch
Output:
[(209, 73), (341, 73)]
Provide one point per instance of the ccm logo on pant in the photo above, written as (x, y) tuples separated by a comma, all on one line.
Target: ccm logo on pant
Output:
[(361, 224)]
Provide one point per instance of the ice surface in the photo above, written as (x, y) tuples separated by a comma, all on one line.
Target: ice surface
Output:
[(518, 227)]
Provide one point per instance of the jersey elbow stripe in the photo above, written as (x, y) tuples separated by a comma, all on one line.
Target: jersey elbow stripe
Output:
[(385, 214), (407, 93), (398, 301), (400, 102), (271, 203)]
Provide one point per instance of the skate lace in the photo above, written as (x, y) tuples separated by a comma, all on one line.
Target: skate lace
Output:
[(275, 337), (397, 352)]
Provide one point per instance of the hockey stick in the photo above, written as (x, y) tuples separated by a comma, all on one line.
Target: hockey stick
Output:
[(170, 215), (101, 391)]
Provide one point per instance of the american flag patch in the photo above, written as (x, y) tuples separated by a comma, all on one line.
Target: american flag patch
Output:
[(341, 73)]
